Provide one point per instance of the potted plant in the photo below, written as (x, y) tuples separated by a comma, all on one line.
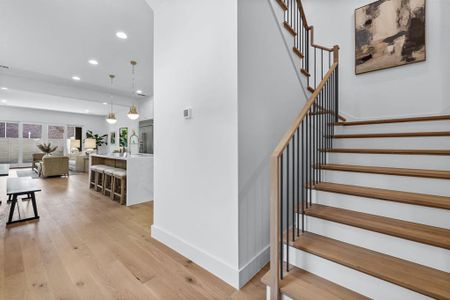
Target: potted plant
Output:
[(48, 149), (100, 140)]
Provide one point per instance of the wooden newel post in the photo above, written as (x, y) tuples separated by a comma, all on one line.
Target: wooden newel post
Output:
[(336, 54), (274, 229)]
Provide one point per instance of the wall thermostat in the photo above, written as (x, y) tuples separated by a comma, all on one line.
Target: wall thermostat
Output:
[(187, 113)]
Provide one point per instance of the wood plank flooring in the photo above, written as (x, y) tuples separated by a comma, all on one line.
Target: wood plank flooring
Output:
[(86, 246)]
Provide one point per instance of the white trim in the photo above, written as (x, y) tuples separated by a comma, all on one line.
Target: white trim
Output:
[(214, 265), (249, 270)]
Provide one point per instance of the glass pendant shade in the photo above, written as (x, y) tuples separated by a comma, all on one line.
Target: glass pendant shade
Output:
[(133, 113), (111, 118)]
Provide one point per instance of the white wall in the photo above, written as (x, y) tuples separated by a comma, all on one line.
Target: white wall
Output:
[(146, 108), (196, 172), (89, 122), (445, 61), (270, 96), (414, 89)]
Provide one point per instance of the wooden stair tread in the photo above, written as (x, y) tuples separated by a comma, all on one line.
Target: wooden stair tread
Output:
[(435, 236), (395, 120), (299, 284), (390, 151), (437, 174), (384, 194), (282, 4), (424, 280), (298, 52), (289, 28), (391, 135)]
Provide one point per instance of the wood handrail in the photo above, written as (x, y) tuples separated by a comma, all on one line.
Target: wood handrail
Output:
[(301, 116), (302, 13)]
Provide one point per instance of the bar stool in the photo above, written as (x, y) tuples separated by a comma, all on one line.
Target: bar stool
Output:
[(119, 184), (108, 181), (96, 178)]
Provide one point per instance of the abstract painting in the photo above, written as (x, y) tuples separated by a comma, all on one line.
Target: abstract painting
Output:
[(389, 33)]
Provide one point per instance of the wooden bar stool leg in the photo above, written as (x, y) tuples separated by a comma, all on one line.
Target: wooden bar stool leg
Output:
[(105, 180), (122, 190), (113, 187)]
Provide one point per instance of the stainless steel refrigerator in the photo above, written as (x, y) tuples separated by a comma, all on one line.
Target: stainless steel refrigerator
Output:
[(146, 136)]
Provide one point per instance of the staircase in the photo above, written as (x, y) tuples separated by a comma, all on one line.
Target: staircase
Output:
[(359, 210)]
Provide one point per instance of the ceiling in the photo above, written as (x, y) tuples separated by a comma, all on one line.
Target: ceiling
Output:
[(49, 41)]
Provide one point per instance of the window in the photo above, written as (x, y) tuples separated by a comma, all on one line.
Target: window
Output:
[(70, 132), (55, 132), (32, 136), (32, 131), (9, 142), (56, 137), (2, 130), (12, 130)]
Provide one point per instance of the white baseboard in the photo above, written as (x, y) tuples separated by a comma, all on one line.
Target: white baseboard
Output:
[(212, 264), (252, 267), (233, 276)]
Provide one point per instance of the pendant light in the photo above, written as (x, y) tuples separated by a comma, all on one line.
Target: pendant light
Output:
[(133, 113), (111, 118)]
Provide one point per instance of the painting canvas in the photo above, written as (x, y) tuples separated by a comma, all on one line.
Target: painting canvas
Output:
[(112, 136), (389, 33)]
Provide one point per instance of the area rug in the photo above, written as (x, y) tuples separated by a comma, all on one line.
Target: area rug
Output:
[(34, 175)]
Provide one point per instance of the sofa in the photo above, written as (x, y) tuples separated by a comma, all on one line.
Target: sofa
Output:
[(37, 157), (77, 162), (53, 166)]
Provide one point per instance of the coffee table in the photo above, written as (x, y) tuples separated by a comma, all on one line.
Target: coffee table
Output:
[(16, 187)]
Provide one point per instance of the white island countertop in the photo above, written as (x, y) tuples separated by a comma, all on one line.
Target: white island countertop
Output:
[(139, 169), (124, 156)]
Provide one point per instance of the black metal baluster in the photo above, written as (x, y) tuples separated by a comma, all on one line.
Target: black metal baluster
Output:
[(281, 214), (287, 204), (309, 158), (321, 63), (337, 93), (304, 190), (293, 189), (315, 67), (298, 181)]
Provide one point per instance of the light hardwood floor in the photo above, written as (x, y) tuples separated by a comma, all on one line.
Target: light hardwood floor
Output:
[(86, 246)]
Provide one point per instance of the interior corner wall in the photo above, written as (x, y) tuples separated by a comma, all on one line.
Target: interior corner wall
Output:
[(409, 90), (146, 108), (270, 96), (445, 34), (196, 173)]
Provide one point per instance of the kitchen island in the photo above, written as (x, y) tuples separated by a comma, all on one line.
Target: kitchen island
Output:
[(139, 170)]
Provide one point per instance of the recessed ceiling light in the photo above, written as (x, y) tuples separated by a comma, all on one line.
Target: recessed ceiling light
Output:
[(4, 101), (138, 92), (105, 103), (121, 35), (4, 88), (93, 62), (76, 78), (87, 110)]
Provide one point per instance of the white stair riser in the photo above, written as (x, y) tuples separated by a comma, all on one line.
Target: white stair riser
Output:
[(431, 162), (423, 254), (401, 211), (395, 127), (440, 143), (391, 182), (357, 281)]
